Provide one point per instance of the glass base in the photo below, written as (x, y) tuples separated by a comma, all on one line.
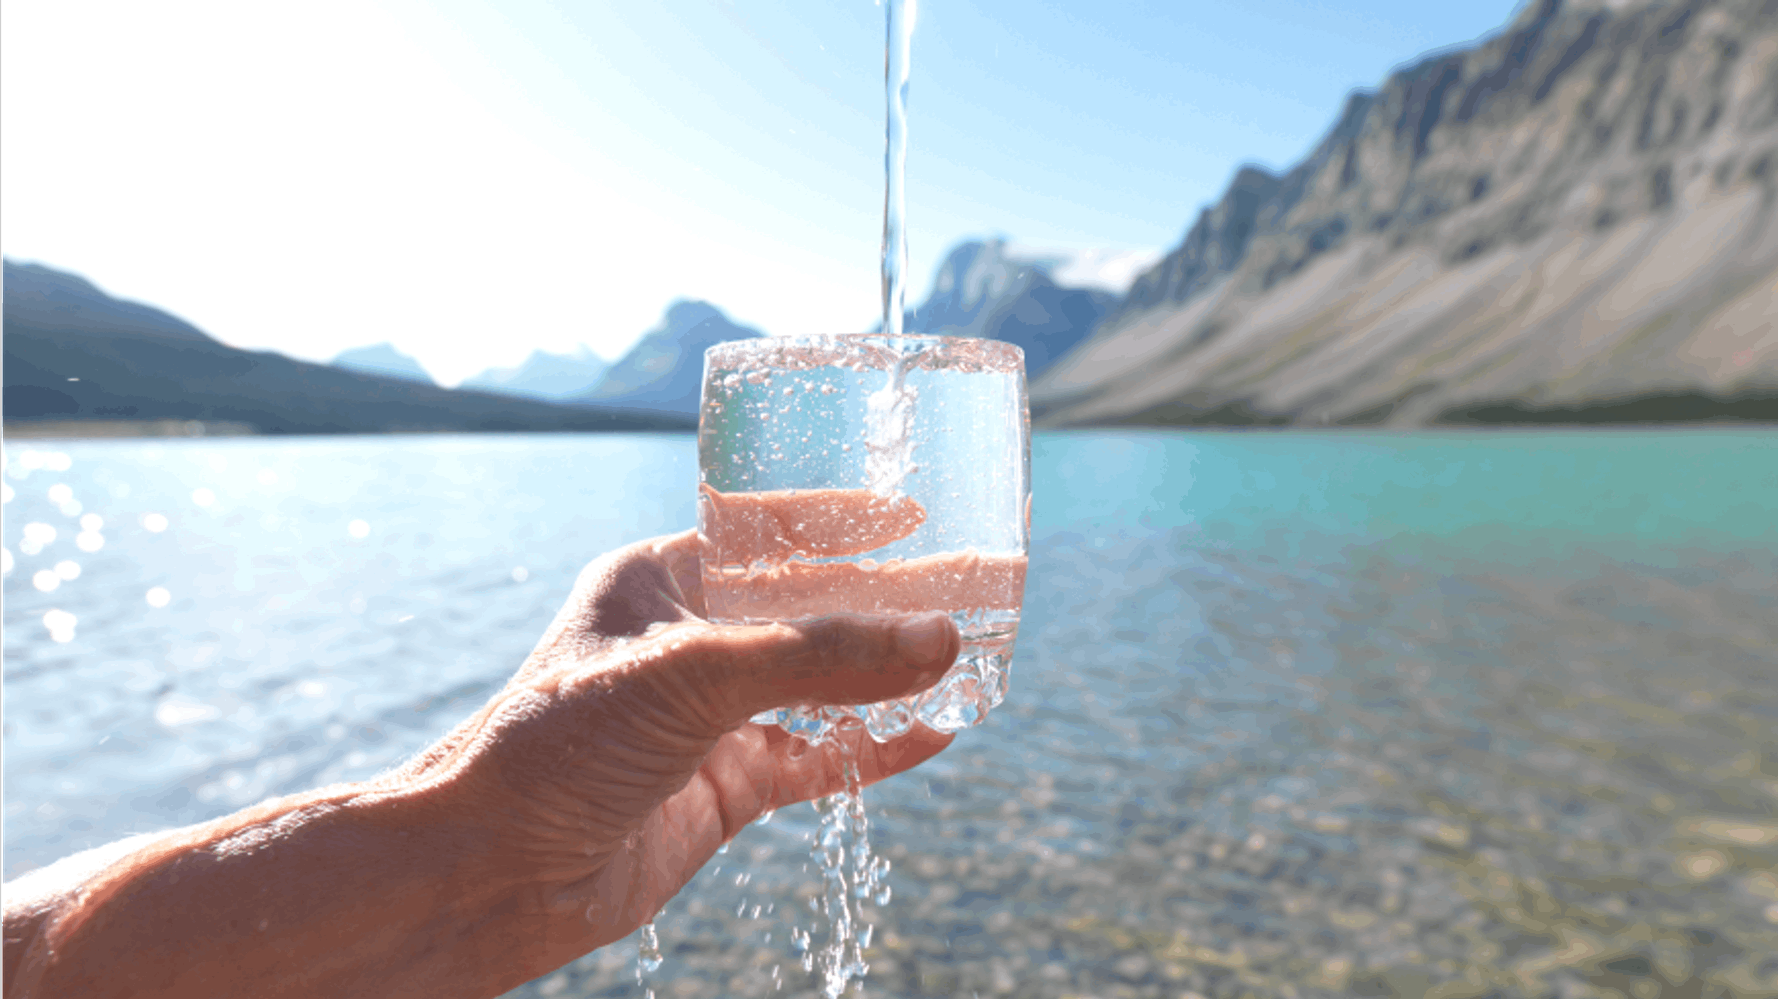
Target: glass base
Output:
[(975, 684)]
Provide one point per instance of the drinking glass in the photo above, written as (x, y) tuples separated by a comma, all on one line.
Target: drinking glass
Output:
[(870, 474)]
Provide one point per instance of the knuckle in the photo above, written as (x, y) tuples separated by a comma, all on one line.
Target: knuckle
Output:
[(839, 641)]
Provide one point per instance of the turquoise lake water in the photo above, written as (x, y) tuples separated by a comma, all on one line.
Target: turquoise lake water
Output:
[(1291, 714)]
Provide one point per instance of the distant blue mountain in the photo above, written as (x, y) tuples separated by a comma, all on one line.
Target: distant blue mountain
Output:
[(383, 359), (74, 353), (982, 290), (545, 376), (664, 372)]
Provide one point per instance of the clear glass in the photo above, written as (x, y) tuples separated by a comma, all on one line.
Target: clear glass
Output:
[(870, 474)]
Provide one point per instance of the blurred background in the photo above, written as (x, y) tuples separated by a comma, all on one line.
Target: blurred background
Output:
[(1401, 613)]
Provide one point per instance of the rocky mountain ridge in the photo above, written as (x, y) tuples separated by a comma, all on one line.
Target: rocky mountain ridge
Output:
[(664, 371), (1573, 215), (982, 290)]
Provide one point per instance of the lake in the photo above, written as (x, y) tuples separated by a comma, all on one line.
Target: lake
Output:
[(1292, 714)]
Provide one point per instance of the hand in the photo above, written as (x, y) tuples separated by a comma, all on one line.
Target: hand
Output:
[(556, 820), (620, 758)]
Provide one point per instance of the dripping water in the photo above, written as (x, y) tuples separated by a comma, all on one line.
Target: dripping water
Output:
[(648, 956), (851, 876)]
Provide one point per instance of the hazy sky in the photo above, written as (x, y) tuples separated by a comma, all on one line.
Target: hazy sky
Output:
[(472, 180)]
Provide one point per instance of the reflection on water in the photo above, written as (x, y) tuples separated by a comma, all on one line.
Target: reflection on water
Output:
[(1519, 755), (263, 616), (1226, 775)]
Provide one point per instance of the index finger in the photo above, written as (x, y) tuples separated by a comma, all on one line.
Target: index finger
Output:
[(746, 527)]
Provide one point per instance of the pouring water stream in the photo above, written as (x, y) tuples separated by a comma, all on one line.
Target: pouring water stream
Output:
[(851, 874)]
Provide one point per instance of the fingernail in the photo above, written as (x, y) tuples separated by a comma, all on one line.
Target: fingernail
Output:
[(924, 639)]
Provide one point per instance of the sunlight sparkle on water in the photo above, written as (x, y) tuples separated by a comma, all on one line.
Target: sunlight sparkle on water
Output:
[(158, 597), (358, 529), (29, 461), (36, 536), (60, 624), (154, 523)]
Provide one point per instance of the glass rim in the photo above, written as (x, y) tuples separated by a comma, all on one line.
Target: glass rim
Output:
[(872, 351)]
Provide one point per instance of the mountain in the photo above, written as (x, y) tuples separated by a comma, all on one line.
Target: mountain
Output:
[(1108, 270), (73, 352), (664, 372), (1570, 221), (383, 359), (982, 290), (545, 376)]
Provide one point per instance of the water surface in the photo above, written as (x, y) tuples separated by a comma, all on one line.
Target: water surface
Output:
[(1291, 715)]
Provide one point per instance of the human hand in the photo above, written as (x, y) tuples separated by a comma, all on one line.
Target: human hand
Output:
[(556, 820), (620, 757)]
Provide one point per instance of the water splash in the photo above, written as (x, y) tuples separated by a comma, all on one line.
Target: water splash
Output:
[(889, 431)]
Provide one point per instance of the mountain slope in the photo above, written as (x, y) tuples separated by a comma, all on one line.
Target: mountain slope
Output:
[(1572, 220), (73, 352), (982, 290), (383, 359), (664, 372), (544, 376)]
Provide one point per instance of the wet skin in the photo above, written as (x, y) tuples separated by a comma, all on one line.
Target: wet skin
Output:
[(556, 820)]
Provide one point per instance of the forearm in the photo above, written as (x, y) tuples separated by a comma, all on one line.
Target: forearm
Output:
[(345, 891), (32, 898)]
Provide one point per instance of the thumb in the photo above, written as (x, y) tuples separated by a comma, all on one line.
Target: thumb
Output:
[(739, 671)]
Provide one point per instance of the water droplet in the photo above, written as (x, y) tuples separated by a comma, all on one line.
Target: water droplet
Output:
[(648, 951)]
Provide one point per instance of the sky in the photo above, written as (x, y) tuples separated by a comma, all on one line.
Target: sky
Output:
[(472, 180)]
